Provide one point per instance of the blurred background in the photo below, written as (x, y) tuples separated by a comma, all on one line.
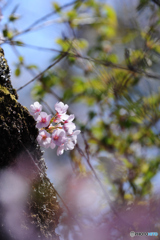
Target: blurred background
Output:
[(110, 80)]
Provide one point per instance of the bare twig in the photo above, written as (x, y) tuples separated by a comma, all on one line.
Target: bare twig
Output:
[(34, 74), (49, 108), (87, 157), (44, 17), (100, 62), (39, 75), (5, 5), (156, 2), (18, 55)]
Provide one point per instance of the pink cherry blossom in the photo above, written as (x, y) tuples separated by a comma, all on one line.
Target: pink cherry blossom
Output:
[(70, 118), (68, 144), (57, 130), (36, 108), (61, 108), (52, 145), (58, 137), (69, 127), (44, 138), (60, 150), (60, 118), (43, 120), (74, 136)]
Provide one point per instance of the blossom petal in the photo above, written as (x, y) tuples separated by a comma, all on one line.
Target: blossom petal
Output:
[(61, 108), (43, 120), (60, 150)]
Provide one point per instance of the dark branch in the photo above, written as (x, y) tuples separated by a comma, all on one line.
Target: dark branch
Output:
[(97, 61), (39, 75), (156, 2), (45, 17)]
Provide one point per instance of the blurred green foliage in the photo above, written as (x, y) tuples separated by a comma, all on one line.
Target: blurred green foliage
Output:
[(122, 121), (122, 111)]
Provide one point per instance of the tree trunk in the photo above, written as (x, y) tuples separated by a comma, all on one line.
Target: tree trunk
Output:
[(28, 203)]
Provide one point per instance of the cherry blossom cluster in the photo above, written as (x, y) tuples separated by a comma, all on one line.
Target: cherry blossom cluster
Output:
[(57, 130)]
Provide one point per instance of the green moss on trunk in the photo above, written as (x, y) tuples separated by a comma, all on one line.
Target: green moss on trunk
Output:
[(19, 147)]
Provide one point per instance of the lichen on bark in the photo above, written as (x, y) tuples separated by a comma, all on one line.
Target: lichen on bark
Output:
[(21, 154)]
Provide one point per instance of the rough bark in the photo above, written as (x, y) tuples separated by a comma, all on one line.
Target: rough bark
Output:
[(20, 155)]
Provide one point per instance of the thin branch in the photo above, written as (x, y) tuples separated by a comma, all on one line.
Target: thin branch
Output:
[(55, 95), (156, 2), (44, 17), (34, 74), (98, 61), (6, 4), (47, 23), (87, 157), (31, 71), (49, 108), (39, 75)]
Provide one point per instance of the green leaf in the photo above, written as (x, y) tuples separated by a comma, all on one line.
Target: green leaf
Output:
[(82, 43), (19, 43), (67, 94), (56, 7), (17, 72), (91, 115), (112, 58), (72, 14), (38, 91), (13, 17), (97, 132), (79, 85), (21, 59), (71, 59), (130, 36), (63, 43), (108, 31), (142, 4), (5, 32), (32, 66), (90, 3)]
